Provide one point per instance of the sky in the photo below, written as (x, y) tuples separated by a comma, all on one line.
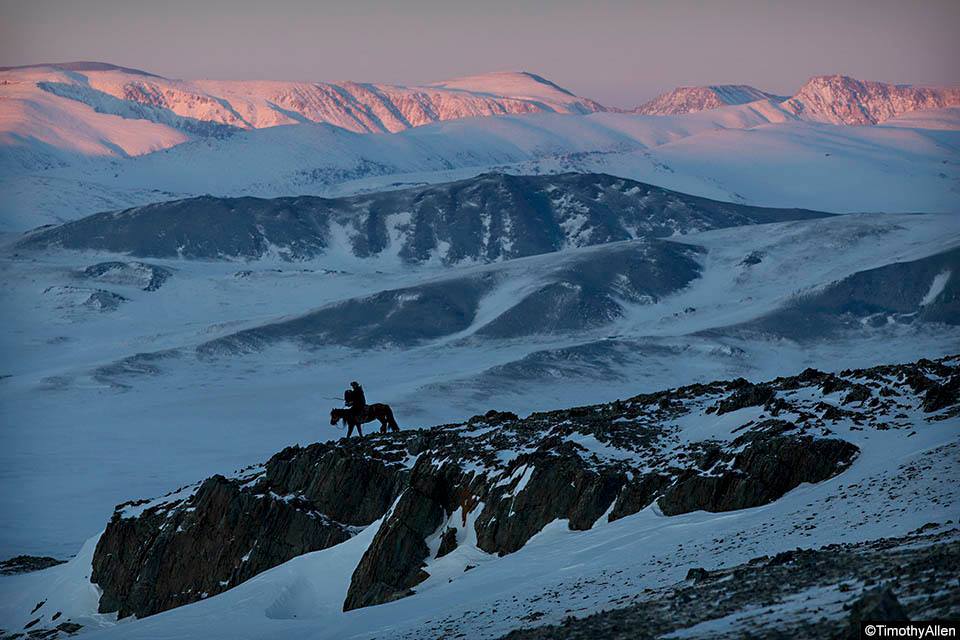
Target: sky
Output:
[(618, 52)]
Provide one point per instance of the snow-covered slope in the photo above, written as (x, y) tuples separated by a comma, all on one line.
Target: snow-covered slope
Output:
[(692, 99), (843, 100), (755, 154)]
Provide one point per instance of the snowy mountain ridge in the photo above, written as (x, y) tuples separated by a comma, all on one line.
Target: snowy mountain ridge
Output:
[(839, 99), (692, 99), (833, 99)]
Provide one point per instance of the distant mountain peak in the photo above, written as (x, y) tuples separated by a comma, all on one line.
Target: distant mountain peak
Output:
[(693, 99), (83, 65), (841, 99)]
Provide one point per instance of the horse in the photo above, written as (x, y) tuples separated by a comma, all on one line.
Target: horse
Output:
[(371, 412)]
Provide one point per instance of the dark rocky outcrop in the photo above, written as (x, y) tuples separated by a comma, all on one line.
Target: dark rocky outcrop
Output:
[(559, 486), (876, 605), (155, 562), (26, 564), (748, 395), (393, 562), (203, 540), (638, 494), (941, 396), (765, 470), (448, 542)]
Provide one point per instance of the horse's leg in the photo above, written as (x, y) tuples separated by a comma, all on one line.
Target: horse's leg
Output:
[(359, 429), (391, 420), (349, 429), (383, 425)]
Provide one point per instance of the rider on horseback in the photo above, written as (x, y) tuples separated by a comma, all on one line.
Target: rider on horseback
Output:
[(355, 400), (358, 412)]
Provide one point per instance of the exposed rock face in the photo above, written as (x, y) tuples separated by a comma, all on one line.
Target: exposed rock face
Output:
[(502, 479), (488, 218), (204, 539), (393, 562), (764, 471), (693, 99), (749, 395), (844, 100), (638, 494), (556, 484)]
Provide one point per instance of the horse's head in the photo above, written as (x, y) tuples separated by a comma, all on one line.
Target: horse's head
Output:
[(334, 417)]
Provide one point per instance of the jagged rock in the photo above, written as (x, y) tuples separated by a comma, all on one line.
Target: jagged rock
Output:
[(26, 564), (761, 473), (559, 486), (225, 536), (859, 393), (941, 396), (448, 542), (176, 552), (877, 605), (393, 562), (697, 574), (750, 395), (343, 481), (638, 494)]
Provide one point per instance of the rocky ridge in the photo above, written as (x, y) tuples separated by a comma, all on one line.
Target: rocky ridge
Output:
[(491, 217), (504, 479)]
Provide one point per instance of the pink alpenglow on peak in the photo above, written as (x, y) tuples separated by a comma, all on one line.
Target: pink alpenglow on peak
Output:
[(694, 99), (843, 100)]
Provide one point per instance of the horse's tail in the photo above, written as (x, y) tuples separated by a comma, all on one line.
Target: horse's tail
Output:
[(391, 422)]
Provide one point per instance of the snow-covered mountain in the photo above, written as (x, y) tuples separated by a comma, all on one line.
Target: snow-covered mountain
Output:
[(63, 105), (692, 99), (843, 100), (834, 99), (491, 217)]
